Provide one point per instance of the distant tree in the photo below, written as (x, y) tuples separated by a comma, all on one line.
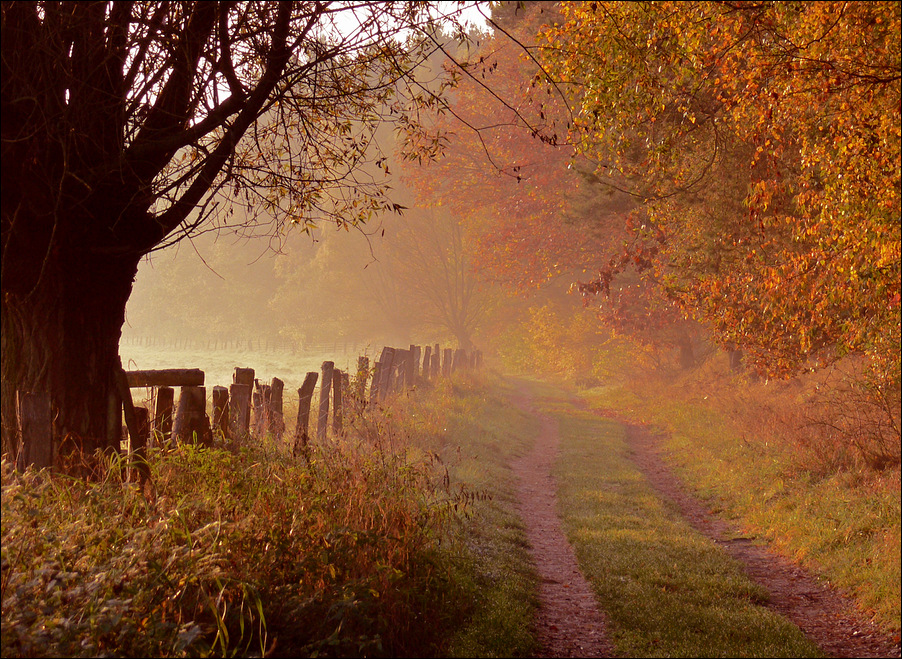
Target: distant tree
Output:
[(431, 258), (127, 126)]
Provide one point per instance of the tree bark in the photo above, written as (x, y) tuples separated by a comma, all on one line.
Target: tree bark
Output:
[(61, 337)]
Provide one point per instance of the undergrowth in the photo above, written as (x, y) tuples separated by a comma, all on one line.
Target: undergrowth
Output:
[(383, 541), (238, 550)]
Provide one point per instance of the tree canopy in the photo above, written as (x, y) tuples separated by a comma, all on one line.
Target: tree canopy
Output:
[(763, 140)]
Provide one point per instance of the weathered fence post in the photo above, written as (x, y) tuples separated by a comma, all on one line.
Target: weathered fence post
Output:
[(305, 396), (447, 360), (240, 402), (35, 437), (402, 358), (435, 367), (427, 362), (413, 365), (262, 410), (386, 372), (325, 388), (337, 382), (137, 443), (191, 422), (377, 378), (221, 411), (276, 420), (162, 418)]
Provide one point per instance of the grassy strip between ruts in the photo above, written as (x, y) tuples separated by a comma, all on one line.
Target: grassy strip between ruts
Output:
[(667, 590), (844, 524)]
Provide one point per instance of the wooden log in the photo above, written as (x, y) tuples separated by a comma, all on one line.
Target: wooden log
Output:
[(162, 418), (447, 361), (337, 411), (305, 396), (171, 377), (385, 372), (191, 423), (138, 424), (435, 367), (324, 390), (377, 378), (137, 444), (243, 376), (221, 411), (239, 410), (413, 365), (276, 420), (35, 437), (399, 377), (427, 361), (262, 417)]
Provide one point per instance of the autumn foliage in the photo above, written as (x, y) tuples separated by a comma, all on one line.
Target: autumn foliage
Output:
[(764, 139)]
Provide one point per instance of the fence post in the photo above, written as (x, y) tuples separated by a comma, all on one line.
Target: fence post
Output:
[(413, 366), (191, 423), (305, 396), (242, 423), (447, 360), (35, 437), (386, 369), (221, 411), (337, 382), (137, 443), (400, 376), (162, 419), (374, 385), (262, 395), (324, 390), (277, 421), (427, 361)]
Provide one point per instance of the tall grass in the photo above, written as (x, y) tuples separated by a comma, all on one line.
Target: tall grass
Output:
[(233, 552), (379, 542)]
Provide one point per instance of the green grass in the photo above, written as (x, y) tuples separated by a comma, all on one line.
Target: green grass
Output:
[(478, 434), (843, 524), (667, 590)]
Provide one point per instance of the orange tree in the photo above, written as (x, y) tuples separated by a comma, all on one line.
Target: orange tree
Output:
[(764, 141), (534, 212)]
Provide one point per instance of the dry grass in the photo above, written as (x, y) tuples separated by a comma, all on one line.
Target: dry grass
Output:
[(237, 550)]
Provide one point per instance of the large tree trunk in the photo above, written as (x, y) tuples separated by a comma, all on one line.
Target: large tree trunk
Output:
[(62, 337)]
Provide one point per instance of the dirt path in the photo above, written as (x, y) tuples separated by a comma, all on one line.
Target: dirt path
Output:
[(829, 619), (569, 623)]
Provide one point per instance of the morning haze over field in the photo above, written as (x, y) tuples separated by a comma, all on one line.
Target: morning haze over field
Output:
[(451, 329)]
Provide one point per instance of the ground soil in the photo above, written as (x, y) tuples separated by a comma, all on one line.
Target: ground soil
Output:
[(570, 623)]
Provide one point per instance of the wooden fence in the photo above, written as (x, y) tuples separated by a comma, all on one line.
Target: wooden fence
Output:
[(248, 407)]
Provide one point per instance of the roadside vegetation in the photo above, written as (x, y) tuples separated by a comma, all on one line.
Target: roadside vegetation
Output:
[(380, 543), (759, 453)]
